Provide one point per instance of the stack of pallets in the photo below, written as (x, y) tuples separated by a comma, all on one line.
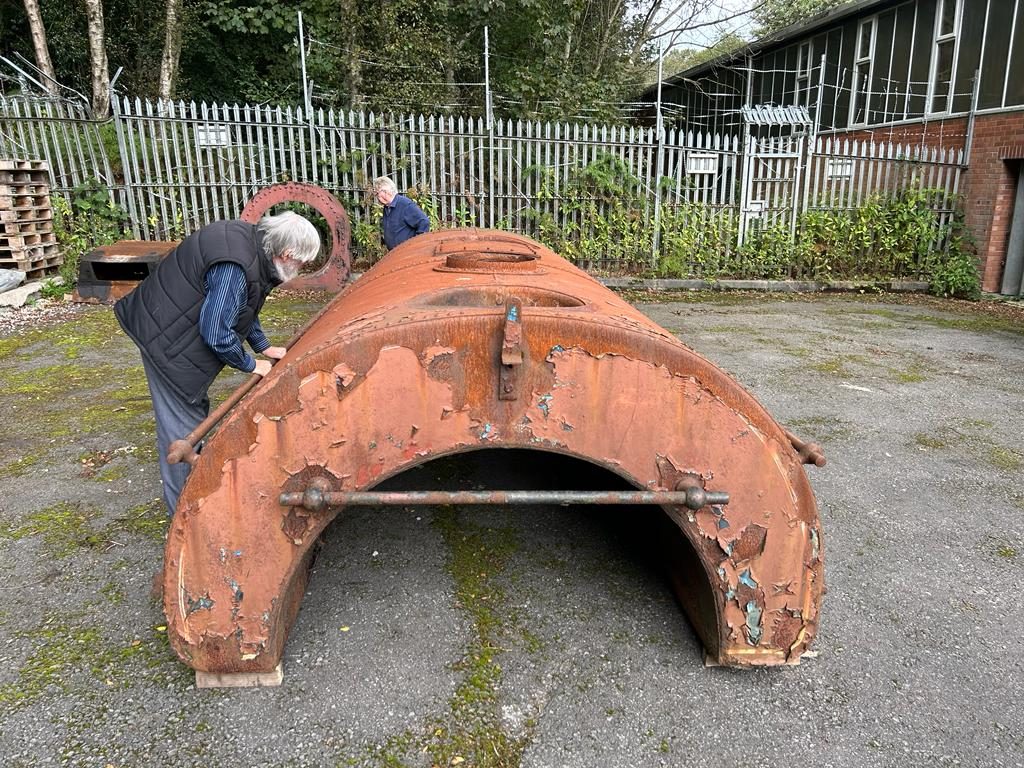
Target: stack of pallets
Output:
[(27, 242)]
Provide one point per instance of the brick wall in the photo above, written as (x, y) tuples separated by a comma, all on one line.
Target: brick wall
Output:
[(940, 134), (996, 153), (988, 186)]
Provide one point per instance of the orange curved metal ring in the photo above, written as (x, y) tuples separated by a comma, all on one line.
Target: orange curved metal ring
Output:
[(332, 276)]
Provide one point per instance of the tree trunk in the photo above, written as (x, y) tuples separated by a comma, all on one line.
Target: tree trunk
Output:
[(35, 23), (98, 60), (172, 50), (353, 67)]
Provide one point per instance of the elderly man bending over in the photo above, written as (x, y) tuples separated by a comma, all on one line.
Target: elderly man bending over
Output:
[(402, 217), (190, 316)]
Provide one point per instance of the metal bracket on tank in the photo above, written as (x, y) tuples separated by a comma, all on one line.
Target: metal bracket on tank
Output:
[(511, 351)]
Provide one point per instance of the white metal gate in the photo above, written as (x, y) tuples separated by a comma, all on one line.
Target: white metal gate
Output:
[(772, 174)]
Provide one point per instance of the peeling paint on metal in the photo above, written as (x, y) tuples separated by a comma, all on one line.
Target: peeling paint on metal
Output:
[(203, 603), (544, 403), (754, 631), (746, 580)]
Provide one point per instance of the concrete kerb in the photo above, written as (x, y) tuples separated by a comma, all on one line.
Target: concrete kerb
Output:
[(771, 286)]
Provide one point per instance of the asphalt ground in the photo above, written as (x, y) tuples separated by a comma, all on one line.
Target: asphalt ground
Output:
[(542, 636)]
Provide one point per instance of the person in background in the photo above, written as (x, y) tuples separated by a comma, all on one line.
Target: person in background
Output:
[(402, 217), (191, 315)]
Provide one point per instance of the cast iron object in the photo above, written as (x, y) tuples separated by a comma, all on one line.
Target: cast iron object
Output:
[(332, 276), (411, 363), (110, 272)]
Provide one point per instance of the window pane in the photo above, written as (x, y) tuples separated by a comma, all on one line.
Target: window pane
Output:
[(864, 50), (861, 95), (944, 65), (943, 74), (948, 19), (805, 55)]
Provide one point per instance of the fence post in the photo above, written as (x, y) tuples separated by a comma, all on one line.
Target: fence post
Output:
[(659, 159)]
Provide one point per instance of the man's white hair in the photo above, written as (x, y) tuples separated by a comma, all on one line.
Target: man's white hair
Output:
[(292, 233), (385, 184)]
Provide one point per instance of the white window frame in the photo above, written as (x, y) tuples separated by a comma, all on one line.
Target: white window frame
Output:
[(855, 92), (803, 74), (701, 163), (940, 38)]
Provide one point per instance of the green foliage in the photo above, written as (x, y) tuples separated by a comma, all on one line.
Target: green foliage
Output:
[(695, 240), (602, 208), (548, 57), (604, 218), (774, 15), (87, 219), (954, 272)]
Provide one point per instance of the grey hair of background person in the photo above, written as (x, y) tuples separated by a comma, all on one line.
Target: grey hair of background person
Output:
[(385, 184), (289, 232)]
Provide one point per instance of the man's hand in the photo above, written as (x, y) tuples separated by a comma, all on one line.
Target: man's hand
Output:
[(274, 353), (262, 367)]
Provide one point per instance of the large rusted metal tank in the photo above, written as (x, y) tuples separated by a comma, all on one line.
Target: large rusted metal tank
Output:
[(474, 340)]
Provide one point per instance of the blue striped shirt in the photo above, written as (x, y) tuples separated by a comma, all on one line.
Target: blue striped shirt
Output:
[(224, 302)]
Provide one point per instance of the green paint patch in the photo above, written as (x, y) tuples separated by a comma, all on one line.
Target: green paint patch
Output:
[(1005, 458)]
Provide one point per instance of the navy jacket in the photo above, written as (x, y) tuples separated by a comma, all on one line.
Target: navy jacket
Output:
[(402, 219), (162, 314)]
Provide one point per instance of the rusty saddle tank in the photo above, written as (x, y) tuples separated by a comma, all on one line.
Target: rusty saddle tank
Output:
[(473, 340)]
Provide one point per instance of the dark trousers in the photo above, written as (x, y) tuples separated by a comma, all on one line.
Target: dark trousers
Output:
[(175, 418)]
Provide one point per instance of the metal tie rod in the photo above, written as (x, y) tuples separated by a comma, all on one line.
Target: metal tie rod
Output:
[(315, 499)]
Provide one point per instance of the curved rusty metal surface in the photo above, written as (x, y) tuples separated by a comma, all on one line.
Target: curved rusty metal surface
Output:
[(332, 276), (413, 362)]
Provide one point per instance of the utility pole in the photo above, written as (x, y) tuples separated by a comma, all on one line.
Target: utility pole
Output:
[(307, 101)]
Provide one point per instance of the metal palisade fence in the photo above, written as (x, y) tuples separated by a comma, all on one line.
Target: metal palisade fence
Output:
[(612, 197)]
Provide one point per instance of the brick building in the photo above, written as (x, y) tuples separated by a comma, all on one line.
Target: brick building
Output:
[(943, 73)]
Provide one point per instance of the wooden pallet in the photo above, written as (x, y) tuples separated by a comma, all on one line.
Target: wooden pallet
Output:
[(23, 190), (51, 261), (24, 165), (24, 177), (24, 201), (16, 213), (22, 215), (11, 242), (26, 227)]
